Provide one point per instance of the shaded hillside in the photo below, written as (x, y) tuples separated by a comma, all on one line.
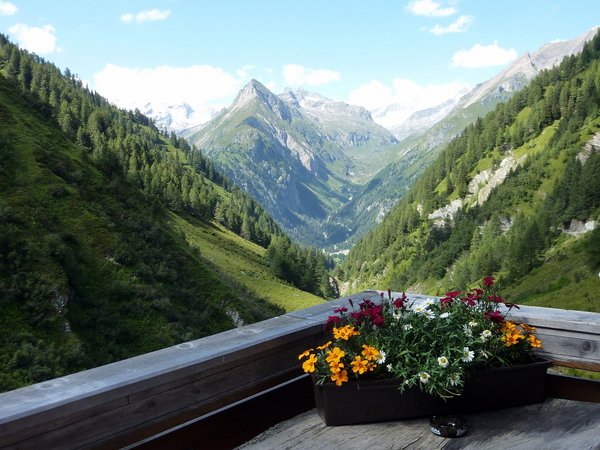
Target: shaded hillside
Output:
[(94, 263), (498, 197)]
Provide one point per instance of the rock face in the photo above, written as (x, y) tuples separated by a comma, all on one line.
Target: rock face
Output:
[(299, 154), (479, 189)]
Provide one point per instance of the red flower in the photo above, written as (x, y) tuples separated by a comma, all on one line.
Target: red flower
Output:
[(378, 321), (494, 316), (477, 293), (446, 301), (488, 281), (340, 310), (366, 304), (469, 300), (399, 302), (453, 294), (357, 316), (331, 321), (496, 299)]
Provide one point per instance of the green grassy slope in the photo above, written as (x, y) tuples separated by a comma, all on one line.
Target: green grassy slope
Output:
[(566, 279), (242, 261)]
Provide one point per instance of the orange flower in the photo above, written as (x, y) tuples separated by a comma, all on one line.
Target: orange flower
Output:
[(534, 341), (335, 354), (527, 328), (324, 346), (511, 338), (359, 365), (309, 365), (370, 353), (507, 326), (336, 366), (344, 333), (340, 377), (305, 353)]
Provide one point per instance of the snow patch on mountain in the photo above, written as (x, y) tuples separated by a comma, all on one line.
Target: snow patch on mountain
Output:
[(404, 120), (177, 117)]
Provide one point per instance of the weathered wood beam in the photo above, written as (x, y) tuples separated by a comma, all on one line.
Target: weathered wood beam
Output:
[(569, 338)]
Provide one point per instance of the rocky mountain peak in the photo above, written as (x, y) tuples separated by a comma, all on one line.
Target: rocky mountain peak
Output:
[(256, 91), (518, 74), (323, 108)]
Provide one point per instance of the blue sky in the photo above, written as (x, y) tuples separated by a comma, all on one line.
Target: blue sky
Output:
[(371, 53)]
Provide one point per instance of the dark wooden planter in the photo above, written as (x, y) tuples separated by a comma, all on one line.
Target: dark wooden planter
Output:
[(380, 400)]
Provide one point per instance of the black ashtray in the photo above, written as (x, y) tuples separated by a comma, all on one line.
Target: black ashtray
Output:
[(448, 426)]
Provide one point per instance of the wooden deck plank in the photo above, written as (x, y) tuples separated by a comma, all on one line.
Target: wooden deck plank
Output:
[(552, 425)]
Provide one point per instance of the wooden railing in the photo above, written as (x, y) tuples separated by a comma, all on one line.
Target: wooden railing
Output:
[(210, 392)]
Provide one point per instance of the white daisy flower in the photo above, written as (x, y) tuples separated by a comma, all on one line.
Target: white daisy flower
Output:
[(429, 314), (485, 335), (424, 377), (454, 379), (444, 315), (408, 327), (467, 330), (443, 361), (381, 357), (468, 355), (473, 324)]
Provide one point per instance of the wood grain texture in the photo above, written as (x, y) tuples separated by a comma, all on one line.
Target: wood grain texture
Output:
[(552, 425)]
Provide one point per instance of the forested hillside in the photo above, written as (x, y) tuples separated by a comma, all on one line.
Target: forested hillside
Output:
[(499, 199), (112, 234)]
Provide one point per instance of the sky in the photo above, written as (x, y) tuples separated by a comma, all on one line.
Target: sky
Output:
[(414, 53)]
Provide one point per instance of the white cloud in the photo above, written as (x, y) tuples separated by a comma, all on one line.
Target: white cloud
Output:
[(296, 75), (483, 56), (372, 95), (430, 8), (7, 9), (149, 15), (459, 26), (40, 40), (394, 104), (201, 86)]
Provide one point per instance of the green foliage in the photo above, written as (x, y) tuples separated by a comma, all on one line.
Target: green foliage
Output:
[(92, 267), (305, 268), (545, 128)]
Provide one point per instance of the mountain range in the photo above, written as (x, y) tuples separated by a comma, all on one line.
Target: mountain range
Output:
[(418, 148), (326, 170), (300, 154)]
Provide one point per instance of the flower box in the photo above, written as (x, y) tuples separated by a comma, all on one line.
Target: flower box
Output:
[(380, 400)]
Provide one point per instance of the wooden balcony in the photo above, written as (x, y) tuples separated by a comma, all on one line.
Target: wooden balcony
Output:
[(223, 390)]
